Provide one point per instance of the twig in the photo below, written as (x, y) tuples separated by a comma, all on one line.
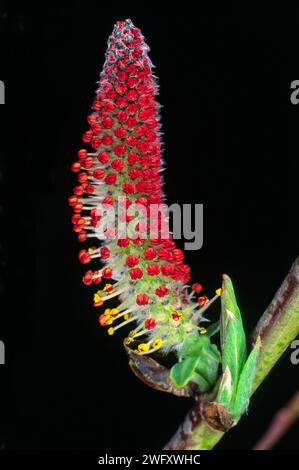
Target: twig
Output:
[(281, 423), (278, 326)]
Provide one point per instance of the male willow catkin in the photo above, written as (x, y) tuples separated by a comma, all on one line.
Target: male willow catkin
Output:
[(123, 163)]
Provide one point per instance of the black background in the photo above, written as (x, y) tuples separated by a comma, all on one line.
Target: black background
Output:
[(230, 143)]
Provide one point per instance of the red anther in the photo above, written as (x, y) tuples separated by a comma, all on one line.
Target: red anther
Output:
[(167, 270), (143, 115), (96, 105), (132, 108), (107, 140), (121, 102), (142, 201), (75, 218), (108, 200), (87, 278), (82, 236), (133, 158), (161, 291), (123, 242), (118, 165), (132, 261), (136, 273), (107, 122), (142, 299), (103, 319), (138, 241), (120, 150), (98, 174), (80, 221), (78, 190), (87, 136), (109, 107), (103, 157), (96, 129), (84, 257), (196, 287), (111, 178), (131, 122), (163, 254), (128, 188), (132, 95), (150, 253), (96, 142), (89, 189), (150, 323), (88, 162), (82, 177), (132, 82), (121, 116), (77, 228), (105, 252), (131, 141), (178, 254), (99, 303), (121, 89), (92, 119), (72, 200), (98, 279), (134, 174), (120, 132), (107, 273), (77, 208), (82, 154), (153, 270), (75, 167), (202, 300), (111, 94), (125, 201), (122, 76)]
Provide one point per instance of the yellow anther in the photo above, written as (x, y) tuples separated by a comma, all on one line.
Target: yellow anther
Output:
[(218, 291), (126, 316), (143, 347), (107, 311), (132, 334), (157, 343), (108, 287), (109, 320), (129, 340), (202, 331), (97, 298), (110, 331), (114, 312)]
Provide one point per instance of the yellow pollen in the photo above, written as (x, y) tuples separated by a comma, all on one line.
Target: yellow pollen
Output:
[(129, 340), (114, 312), (132, 334), (143, 347), (126, 316), (97, 298), (157, 343), (110, 331), (108, 287), (202, 331), (218, 291), (107, 311)]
